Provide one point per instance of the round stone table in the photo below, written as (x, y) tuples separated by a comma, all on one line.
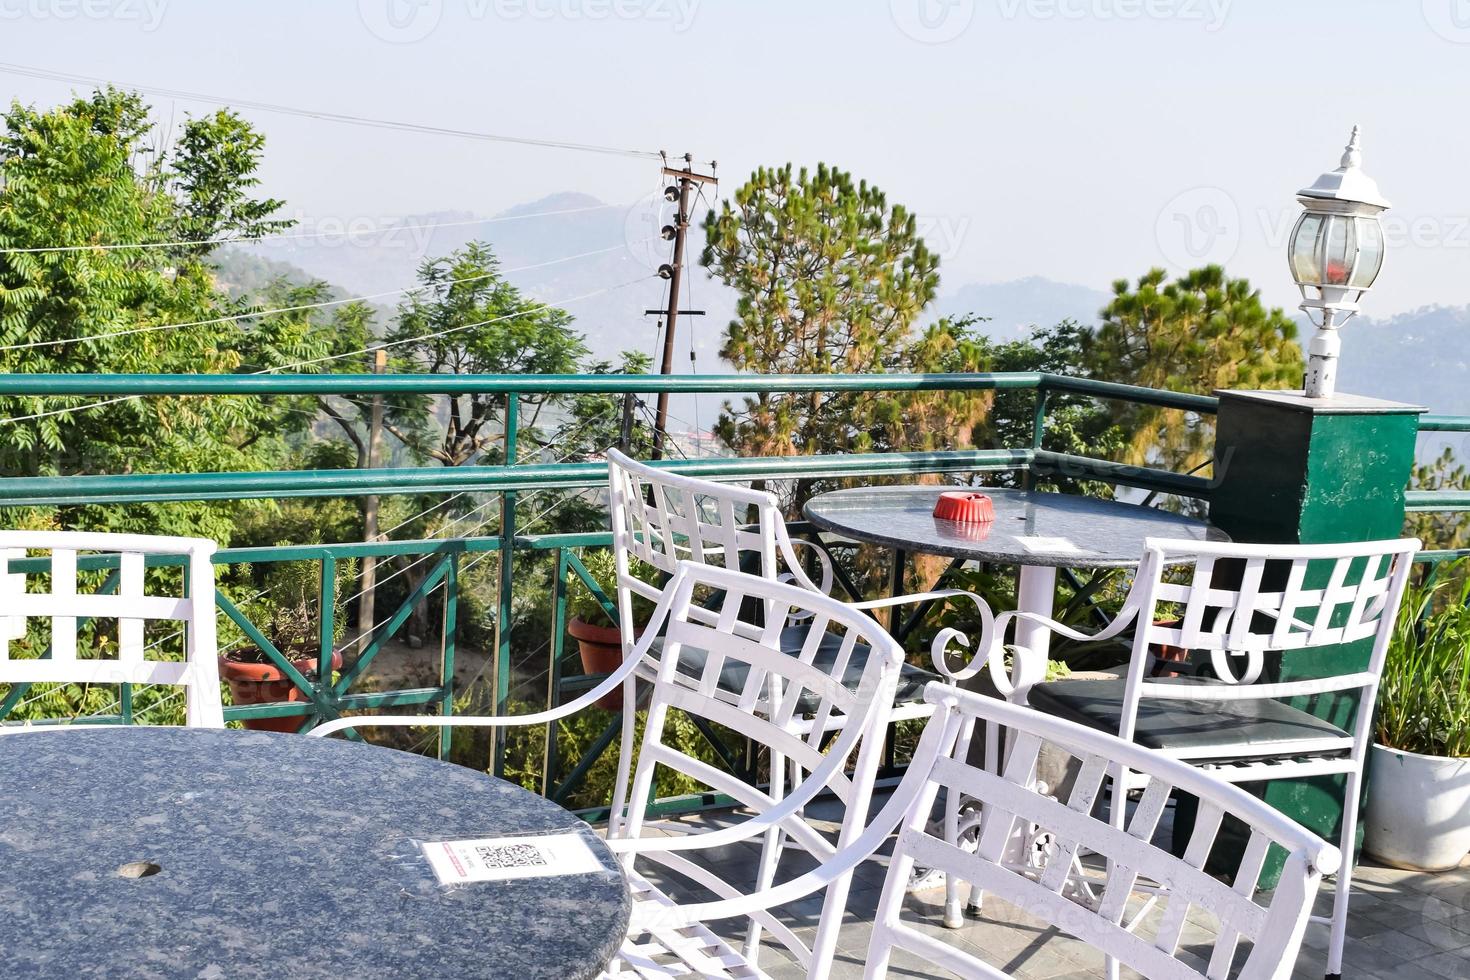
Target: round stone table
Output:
[(267, 856), (1040, 532)]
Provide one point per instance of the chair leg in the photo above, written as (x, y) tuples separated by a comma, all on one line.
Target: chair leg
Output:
[(1344, 884), (625, 756), (975, 903), (954, 917), (770, 856), (1117, 818)]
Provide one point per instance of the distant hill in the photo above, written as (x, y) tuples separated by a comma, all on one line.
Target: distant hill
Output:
[(1421, 356), (240, 272)]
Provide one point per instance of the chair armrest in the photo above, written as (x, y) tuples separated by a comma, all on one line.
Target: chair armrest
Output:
[(938, 738), (609, 683), (589, 698), (798, 574), (938, 649), (1027, 667), (816, 782)]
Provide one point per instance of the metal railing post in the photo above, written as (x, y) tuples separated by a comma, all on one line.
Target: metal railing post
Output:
[(327, 625), (550, 755), (1038, 433), (446, 650), (507, 568)]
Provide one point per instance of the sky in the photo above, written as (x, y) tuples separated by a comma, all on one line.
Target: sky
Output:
[(1080, 140)]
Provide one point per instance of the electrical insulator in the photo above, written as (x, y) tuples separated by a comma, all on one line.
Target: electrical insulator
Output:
[(671, 193), (668, 232), (666, 271)]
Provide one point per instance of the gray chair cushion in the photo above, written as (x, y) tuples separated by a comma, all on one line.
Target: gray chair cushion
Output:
[(911, 679), (1184, 726)]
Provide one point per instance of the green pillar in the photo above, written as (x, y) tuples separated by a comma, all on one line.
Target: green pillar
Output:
[(1289, 470)]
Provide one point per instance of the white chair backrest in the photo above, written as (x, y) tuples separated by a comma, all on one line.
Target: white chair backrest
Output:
[(1145, 936), (662, 519), (1284, 597), (766, 708), (44, 588)]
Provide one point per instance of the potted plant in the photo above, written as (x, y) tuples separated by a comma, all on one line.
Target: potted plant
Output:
[(291, 597), (601, 646), (1418, 812)]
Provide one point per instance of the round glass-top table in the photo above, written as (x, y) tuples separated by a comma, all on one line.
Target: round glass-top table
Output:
[(166, 852), (1040, 532)]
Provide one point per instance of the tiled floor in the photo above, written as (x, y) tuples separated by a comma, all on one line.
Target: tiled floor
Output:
[(1403, 925)]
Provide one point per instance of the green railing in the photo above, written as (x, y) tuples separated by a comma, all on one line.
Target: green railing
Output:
[(448, 559)]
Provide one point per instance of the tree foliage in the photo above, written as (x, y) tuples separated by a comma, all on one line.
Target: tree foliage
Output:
[(1443, 529), (85, 174), (1198, 333), (1074, 424), (470, 320), (831, 279)]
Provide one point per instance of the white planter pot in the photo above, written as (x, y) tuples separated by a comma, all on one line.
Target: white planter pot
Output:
[(1418, 814)]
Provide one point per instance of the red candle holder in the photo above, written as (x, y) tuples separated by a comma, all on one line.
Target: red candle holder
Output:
[(965, 507)]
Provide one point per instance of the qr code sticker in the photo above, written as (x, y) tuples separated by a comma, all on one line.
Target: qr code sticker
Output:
[(511, 856)]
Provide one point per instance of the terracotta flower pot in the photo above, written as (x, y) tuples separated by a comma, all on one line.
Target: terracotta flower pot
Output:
[(252, 683), (601, 648)]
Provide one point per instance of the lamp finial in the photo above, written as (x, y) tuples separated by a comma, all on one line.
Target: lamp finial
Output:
[(1352, 154)]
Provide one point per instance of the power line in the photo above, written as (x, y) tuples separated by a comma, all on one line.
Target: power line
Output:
[(338, 117), (300, 236), (334, 357), (407, 290), (443, 333)]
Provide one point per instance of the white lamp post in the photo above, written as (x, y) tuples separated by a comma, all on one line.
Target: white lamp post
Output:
[(1336, 251)]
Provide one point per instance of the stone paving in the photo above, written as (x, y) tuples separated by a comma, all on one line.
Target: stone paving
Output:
[(1402, 925)]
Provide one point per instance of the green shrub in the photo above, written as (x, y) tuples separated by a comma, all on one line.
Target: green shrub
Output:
[(602, 566), (1424, 700)]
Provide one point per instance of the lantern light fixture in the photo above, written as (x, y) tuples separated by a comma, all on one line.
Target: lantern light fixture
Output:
[(1335, 252)]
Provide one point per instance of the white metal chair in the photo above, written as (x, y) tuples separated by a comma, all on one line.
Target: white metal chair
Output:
[(1238, 723), (790, 703), (662, 518), (667, 938), (1092, 905), (63, 606)]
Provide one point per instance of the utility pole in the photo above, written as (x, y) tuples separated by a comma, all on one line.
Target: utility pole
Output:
[(365, 608), (674, 273)]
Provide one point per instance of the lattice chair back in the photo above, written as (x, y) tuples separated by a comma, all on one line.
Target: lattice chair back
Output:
[(42, 606), (1284, 598), (785, 704), (663, 518), (1130, 899)]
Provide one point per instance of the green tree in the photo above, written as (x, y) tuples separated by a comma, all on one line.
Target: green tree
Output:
[(1074, 424), (832, 280), (1198, 333), (83, 174), (1442, 529), (470, 320), (211, 175)]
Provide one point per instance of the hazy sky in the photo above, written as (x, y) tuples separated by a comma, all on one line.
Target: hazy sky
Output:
[(1082, 140)]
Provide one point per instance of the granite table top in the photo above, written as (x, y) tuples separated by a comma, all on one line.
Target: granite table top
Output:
[(1030, 528), (267, 855)]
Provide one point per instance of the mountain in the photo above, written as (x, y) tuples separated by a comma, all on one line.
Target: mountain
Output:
[(1419, 357), (1015, 307), (240, 272), (599, 261), (596, 259)]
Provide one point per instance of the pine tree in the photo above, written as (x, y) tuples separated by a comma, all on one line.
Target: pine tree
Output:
[(832, 280), (1199, 333)]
